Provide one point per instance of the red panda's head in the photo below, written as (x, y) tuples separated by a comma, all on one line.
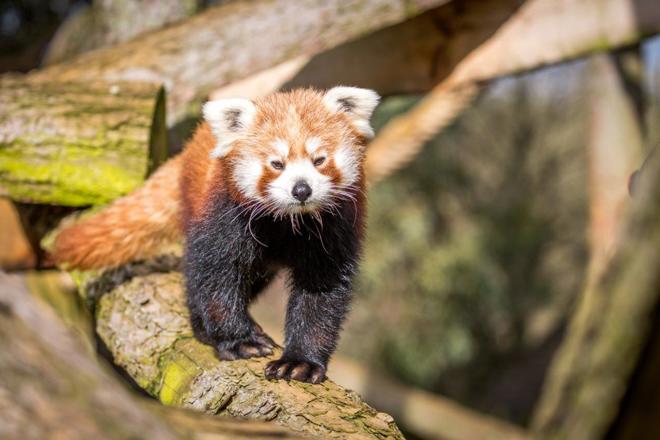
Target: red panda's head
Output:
[(294, 152)]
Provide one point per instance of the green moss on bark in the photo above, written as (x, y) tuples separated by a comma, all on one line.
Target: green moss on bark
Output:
[(75, 144)]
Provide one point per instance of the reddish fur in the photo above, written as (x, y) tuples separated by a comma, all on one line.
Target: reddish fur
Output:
[(198, 172), (132, 227), (135, 226)]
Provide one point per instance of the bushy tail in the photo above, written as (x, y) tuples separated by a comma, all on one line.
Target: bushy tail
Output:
[(132, 227)]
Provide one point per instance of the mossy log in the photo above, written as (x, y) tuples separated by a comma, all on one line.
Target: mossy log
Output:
[(78, 143), (231, 41), (585, 392), (143, 323), (52, 387)]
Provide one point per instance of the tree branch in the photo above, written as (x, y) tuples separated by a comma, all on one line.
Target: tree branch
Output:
[(144, 325), (51, 387), (609, 329), (493, 38), (231, 41)]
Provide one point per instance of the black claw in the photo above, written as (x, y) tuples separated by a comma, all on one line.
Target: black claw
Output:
[(266, 340), (299, 370), (257, 346)]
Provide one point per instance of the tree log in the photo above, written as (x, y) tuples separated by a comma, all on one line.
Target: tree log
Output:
[(144, 325), (228, 42), (108, 22), (610, 328), (614, 149), (492, 38), (78, 143), (50, 386)]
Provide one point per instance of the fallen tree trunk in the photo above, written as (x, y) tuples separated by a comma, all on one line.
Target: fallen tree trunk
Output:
[(108, 22), (78, 143), (489, 39), (608, 332), (50, 387), (228, 42), (144, 325)]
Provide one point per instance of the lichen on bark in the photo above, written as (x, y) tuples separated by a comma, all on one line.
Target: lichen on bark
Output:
[(78, 143)]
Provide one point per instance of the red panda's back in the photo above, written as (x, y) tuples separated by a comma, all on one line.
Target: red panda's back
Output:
[(196, 172)]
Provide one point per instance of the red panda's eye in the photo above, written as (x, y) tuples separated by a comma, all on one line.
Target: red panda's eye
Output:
[(319, 161), (277, 164)]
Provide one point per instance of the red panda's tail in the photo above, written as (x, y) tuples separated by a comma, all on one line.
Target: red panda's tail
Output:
[(132, 227)]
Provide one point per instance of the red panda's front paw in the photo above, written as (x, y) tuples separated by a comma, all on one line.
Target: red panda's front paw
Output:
[(294, 369), (255, 346)]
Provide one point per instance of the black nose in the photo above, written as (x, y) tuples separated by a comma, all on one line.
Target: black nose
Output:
[(301, 190)]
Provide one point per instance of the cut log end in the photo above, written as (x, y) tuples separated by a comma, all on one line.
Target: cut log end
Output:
[(78, 143)]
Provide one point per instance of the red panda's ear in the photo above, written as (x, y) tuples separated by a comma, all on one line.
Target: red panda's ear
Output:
[(358, 104), (228, 119)]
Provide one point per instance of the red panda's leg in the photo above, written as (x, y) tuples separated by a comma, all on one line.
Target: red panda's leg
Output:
[(220, 278), (313, 321)]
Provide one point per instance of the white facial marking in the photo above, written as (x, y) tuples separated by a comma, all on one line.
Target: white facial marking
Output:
[(280, 189), (281, 146), (312, 145), (247, 173), (346, 160)]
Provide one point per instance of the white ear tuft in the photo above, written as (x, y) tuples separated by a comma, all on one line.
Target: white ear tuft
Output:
[(228, 118), (357, 103)]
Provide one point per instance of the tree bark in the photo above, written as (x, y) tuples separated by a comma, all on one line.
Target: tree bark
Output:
[(231, 41), (51, 387), (108, 22), (144, 325), (611, 326), (78, 143)]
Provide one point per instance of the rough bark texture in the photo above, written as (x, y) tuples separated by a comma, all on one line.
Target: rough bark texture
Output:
[(52, 387), (144, 325), (78, 143), (228, 42), (593, 368), (491, 38)]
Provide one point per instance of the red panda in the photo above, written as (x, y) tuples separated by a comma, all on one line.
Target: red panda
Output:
[(278, 182)]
